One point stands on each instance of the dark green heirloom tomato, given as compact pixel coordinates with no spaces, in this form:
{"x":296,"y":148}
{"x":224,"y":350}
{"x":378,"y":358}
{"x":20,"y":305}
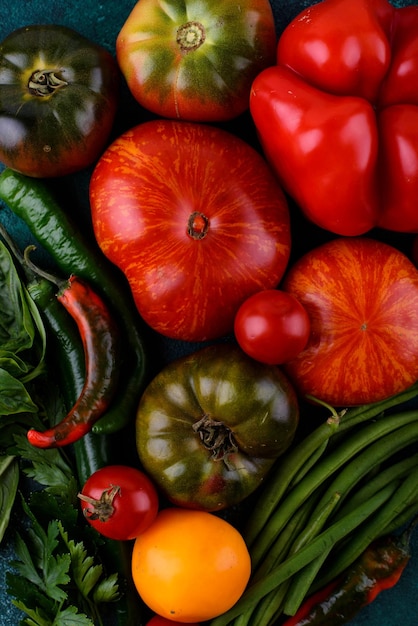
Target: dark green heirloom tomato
{"x":196,"y":60}
{"x":58,"y":99}
{"x":210,"y":426}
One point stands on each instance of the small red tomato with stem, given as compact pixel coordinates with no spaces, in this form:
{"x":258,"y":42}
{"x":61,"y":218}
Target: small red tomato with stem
{"x":119,"y":501}
{"x":272,"y":326}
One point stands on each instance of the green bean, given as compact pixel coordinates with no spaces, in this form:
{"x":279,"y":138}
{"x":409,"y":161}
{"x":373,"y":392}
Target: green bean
{"x":393,"y":472}
{"x":271,"y":606}
{"x":322,"y":471}
{"x":402,"y":497}
{"x":373,"y":455}
{"x":352,"y":472}
{"x":281,"y":546}
{"x":281,"y":477}
{"x":318,"y":520}
{"x":313,"y":459}
{"x":410,"y":511}
{"x":297,"y":561}
{"x":293,"y":462}
{"x":300,"y":586}
{"x":296,"y":589}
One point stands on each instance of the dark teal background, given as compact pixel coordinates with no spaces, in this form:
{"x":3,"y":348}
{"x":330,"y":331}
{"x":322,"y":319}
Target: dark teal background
{"x":101,"y":22}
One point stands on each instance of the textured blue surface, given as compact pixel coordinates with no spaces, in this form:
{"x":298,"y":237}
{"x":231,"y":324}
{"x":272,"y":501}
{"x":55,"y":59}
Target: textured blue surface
{"x":101,"y":22}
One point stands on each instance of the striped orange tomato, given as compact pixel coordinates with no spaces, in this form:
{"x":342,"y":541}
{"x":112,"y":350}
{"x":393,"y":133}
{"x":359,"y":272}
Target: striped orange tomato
{"x":362,"y":299}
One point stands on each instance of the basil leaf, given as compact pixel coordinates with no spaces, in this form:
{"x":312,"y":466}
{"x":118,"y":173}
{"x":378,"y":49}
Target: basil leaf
{"x":22,"y":332}
{"x":9,"y":479}
{"x":14,"y":397}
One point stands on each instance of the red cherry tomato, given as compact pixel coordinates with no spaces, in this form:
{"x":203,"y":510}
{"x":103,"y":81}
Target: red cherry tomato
{"x":272,"y":326}
{"x":120,"y":502}
{"x":157,"y":620}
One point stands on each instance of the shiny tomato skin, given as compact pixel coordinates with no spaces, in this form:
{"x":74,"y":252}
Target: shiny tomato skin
{"x":195,"y":219}
{"x":362,"y":299}
{"x":198,"y":64}
{"x":272,"y":326}
{"x":210,"y":426}
{"x":190,"y":565}
{"x":135,"y":501}
{"x":54,"y":131}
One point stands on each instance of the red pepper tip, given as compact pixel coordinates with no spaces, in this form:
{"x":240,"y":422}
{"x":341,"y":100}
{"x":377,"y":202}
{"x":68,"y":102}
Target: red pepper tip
{"x":39,"y":439}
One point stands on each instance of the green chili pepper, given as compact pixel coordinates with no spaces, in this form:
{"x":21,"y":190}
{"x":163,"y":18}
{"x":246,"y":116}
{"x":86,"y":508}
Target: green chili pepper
{"x":73,"y":253}
{"x":66,"y":357}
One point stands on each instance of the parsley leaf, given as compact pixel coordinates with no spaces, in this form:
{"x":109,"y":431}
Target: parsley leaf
{"x":39,"y":564}
{"x":57,"y":581}
{"x":86,"y":575}
{"x":66,"y":617}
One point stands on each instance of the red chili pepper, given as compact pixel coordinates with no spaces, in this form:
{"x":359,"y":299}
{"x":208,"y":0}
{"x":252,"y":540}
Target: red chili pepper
{"x":378,"y":568}
{"x":101,"y":346}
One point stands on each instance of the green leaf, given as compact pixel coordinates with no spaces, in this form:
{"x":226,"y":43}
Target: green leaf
{"x":107,"y":590}
{"x":37,"y":562}
{"x":66,"y":617}
{"x":17,"y":330}
{"x":51,"y":458}
{"x":22,"y":331}
{"x":71,"y":617}
{"x":9,"y":480}
{"x":14,"y":397}
{"x":87,"y":575}
{"x":46,"y":505}
{"x":21,"y":588}
{"x":36,"y":618}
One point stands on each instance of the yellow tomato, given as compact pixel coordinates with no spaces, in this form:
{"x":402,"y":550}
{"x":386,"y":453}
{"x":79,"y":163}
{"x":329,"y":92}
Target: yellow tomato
{"x":190,"y":565}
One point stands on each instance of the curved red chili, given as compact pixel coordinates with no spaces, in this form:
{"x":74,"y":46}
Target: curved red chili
{"x":378,"y":568}
{"x":100,"y":338}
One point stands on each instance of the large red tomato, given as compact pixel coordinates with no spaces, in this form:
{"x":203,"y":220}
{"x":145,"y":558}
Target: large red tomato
{"x":195,"y":219}
{"x":362,"y":299}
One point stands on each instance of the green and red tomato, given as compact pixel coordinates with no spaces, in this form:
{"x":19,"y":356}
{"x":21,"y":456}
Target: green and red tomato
{"x":196,"y":60}
{"x":59,"y":93}
{"x":210,"y":425}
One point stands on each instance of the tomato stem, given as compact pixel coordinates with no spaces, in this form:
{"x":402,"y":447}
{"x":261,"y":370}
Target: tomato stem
{"x":216,"y":437}
{"x":190,"y":36}
{"x":45,"y":82}
{"x":197,"y":225}
{"x":103,"y":508}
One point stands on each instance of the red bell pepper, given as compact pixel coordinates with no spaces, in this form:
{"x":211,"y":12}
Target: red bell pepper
{"x":337,"y":117}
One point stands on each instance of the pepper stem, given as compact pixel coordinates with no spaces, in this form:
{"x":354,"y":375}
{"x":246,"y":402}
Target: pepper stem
{"x":61,"y":284}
